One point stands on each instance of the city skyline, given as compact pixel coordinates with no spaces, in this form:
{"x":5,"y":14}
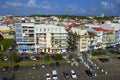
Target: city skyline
{"x":60,"y":7}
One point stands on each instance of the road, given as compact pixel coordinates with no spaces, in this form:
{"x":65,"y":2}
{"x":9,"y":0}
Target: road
{"x":26,"y":73}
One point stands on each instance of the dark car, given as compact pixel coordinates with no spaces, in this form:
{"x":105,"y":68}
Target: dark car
{"x":5,"y":68}
{"x":118,"y":58}
{"x":89,"y":73}
{"x":16,"y":67}
{"x":66,"y":74}
{"x":104,"y":60}
{"x":34,"y":66}
{"x":57,"y":64}
{"x":52,"y":65}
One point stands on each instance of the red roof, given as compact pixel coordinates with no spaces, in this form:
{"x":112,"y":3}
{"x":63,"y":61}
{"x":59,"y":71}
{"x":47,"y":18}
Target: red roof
{"x":102,"y":29}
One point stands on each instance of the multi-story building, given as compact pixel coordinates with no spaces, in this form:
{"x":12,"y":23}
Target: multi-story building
{"x":104,"y":37}
{"x":82,"y":41}
{"x":92,"y":41}
{"x":32,"y":37}
{"x":25,"y":37}
{"x":117,"y":37}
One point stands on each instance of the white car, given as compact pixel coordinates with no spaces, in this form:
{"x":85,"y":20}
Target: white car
{"x":48,"y":76}
{"x":54,"y":75}
{"x":73,"y":74}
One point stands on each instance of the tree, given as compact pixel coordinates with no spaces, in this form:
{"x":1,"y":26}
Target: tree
{"x":1,"y":56}
{"x":58,"y":56}
{"x":1,"y":37}
{"x":14,"y":57}
{"x":47,"y":57}
{"x":70,"y":56}
{"x":72,"y":41}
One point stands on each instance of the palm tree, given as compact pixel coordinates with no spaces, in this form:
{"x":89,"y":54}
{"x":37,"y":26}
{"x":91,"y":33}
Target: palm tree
{"x":73,"y":39}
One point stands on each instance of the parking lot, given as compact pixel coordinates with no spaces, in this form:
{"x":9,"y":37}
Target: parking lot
{"x":27,"y":73}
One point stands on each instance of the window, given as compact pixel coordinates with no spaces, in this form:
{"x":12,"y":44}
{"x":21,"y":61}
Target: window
{"x":18,"y":30}
{"x":18,"y":35}
{"x":44,"y":29}
{"x":40,"y":30}
{"x":19,"y":40}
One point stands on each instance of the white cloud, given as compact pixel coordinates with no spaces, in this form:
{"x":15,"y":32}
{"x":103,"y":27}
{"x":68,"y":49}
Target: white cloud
{"x":32,"y":3}
{"x":13,"y":4}
{"x":45,"y":5}
{"x":82,"y":10}
{"x":71,"y":7}
{"x":107,"y":5}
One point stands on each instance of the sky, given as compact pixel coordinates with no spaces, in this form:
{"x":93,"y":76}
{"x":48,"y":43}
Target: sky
{"x":60,"y":7}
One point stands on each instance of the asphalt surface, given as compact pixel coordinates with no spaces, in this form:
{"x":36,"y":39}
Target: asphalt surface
{"x":27,"y":73}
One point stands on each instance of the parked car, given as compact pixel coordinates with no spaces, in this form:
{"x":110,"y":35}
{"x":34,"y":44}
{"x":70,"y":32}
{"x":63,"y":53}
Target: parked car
{"x":43,"y":65}
{"x":33,"y":58}
{"x":80,"y":59}
{"x":5,"y":68}
{"x":34,"y":66}
{"x":52,"y":65}
{"x":48,"y":76}
{"x":57,"y":64}
{"x":90,"y":73}
{"x":73,"y":74}
{"x":118,"y":58}
{"x":93,"y":66}
{"x":66,"y":74}
{"x":16,"y":67}
{"x":104,"y":60}
{"x":5,"y":58}
{"x":54,"y":75}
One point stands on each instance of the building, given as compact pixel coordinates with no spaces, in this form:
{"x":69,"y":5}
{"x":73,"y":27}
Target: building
{"x":4,"y":29}
{"x":92,"y":41}
{"x":37,"y":38}
{"x":117,"y":37}
{"x":81,"y":39}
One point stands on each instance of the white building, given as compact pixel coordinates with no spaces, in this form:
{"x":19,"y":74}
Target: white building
{"x":32,"y":37}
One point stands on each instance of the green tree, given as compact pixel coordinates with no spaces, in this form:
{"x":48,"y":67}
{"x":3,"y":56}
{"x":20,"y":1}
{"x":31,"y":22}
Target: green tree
{"x":14,"y":57}
{"x":1,"y":37}
{"x":70,"y":56}
{"x":47,"y":57}
{"x":58,"y":56}
{"x":1,"y":55}
{"x":97,"y":53}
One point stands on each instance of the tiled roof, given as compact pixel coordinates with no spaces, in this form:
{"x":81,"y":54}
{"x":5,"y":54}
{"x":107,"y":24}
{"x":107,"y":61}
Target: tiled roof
{"x":102,"y":29}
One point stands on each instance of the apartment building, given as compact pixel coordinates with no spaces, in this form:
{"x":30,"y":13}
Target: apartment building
{"x":83,"y":39}
{"x":117,"y":37}
{"x":37,"y":38}
{"x":92,"y":41}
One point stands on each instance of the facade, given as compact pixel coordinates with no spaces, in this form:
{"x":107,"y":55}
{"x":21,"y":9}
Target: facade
{"x":32,"y":37}
{"x":92,"y":41}
{"x":4,"y":29}
{"x":83,"y":39}
{"x":25,"y":37}
{"x":117,"y":37}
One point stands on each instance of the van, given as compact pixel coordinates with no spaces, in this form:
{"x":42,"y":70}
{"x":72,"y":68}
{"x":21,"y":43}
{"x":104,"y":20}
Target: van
{"x":54,"y":75}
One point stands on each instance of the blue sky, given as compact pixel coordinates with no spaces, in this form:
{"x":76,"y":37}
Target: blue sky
{"x":60,"y":7}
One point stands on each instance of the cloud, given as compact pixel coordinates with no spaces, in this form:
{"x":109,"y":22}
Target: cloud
{"x":82,"y":10}
{"x":32,"y":3}
{"x":29,"y":4}
{"x":107,"y":5}
{"x":45,"y":5}
{"x":71,"y":7}
{"x":13,"y":4}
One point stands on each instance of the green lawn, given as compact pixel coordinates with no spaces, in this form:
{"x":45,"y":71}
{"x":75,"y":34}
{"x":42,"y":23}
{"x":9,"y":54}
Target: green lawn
{"x":6,"y":44}
{"x":27,"y":63}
